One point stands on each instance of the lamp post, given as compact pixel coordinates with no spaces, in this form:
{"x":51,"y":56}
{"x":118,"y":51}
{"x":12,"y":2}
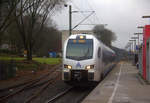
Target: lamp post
{"x":131,"y":44}
{"x":141,"y":27}
{"x":134,"y":38}
{"x":134,"y":43}
{"x":138,"y":34}
{"x":127,"y":45}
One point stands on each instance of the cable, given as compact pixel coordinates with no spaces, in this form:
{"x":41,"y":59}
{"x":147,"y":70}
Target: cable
{"x":93,"y":10}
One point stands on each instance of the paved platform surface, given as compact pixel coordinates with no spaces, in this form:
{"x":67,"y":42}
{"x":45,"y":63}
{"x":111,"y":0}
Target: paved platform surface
{"x":122,"y":85}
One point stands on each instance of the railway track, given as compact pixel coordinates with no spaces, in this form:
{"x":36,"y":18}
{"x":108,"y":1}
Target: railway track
{"x":30,"y":80}
{"x":31,"y":84}
{"x":75,"y":93}
{"x":59,"y":95}
{"x":38,"y":92}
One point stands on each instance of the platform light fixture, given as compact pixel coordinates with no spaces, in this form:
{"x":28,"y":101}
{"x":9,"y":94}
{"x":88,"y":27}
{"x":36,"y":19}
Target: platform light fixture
{"x":140,"y":27}
{"x":146,"y":16}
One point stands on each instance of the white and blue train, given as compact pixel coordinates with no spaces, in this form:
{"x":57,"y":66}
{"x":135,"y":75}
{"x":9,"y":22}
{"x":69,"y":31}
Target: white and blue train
{"x":85,"y":59}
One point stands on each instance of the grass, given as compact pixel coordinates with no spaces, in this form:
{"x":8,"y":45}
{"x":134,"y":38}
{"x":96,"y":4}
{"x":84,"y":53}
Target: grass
{"x":22,"y":64}
{"x":11,"y":58}
{"x":27,"y":66}
{"x":40,"y":60}
{"x":48,"y":60}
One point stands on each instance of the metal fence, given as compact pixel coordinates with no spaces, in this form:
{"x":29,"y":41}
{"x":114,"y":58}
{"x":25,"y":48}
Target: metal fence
{"x":7,"y":69}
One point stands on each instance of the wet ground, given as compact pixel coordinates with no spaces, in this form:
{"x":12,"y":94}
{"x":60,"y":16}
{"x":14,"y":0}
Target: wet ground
{"x":122,"y":85}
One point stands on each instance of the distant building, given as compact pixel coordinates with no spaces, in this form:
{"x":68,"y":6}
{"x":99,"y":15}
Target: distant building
{"x":4,"y":46}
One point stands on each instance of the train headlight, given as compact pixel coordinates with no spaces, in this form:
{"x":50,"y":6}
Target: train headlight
{"x":89,"y":67}
{"x":67,"y":66}
{"x":81,"y":37}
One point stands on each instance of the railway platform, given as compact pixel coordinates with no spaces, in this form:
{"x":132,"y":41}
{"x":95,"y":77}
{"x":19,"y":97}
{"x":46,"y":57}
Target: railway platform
{"x":122,"y":85}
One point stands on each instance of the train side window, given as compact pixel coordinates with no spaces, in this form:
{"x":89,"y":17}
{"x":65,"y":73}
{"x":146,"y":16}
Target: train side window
{"x":99,"y":52}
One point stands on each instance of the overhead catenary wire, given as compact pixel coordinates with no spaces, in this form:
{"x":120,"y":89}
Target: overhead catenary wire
{"x":82,"y":13}
{"x":96,"y":18}
{"x":91,"y":21}
{"x":91,"y":7}
{"x":83,"y":20}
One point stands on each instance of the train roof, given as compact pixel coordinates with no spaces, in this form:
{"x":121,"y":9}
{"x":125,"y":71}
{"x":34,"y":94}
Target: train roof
{"x":88,"y":36}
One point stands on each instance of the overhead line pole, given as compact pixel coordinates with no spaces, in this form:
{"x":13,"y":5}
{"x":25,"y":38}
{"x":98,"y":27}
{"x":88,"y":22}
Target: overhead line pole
{"x":70,"y":20}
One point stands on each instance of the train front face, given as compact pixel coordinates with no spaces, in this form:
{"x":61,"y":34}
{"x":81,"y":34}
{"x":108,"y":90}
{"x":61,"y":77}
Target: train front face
{"x":78,"y":59}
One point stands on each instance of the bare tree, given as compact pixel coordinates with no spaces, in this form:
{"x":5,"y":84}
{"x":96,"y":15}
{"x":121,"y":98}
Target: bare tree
{"x":7,"y":9}
{"x":13,"y":39}
{"x":105,"y":35}
{"x":48,"y":40}
{"x":44,"y":42}
{"x":37,"y":13}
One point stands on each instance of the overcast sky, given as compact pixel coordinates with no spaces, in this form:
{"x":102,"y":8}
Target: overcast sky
{"x":122,"y":16}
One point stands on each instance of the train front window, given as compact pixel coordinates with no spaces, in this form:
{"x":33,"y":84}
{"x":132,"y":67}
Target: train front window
{"x":79,"y":49}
